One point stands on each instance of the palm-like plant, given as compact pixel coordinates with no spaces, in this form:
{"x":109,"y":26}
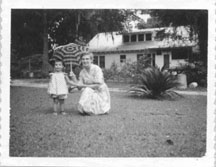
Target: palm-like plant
{"x":155,"y":83}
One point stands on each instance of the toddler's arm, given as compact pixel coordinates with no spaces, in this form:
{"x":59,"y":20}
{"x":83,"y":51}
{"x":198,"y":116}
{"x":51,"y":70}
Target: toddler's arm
{"x":50,"y":76}
{"x":93,"y":86}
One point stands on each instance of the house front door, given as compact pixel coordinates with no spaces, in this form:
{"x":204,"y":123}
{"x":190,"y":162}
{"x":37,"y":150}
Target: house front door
{"x":166,"y":61}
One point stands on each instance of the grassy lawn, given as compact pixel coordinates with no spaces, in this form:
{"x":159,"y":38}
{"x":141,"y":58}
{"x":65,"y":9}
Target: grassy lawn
{"x":134,"y":128}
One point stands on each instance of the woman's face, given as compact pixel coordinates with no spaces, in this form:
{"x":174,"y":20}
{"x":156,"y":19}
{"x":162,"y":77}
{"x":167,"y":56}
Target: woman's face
{"x":86,"y":61}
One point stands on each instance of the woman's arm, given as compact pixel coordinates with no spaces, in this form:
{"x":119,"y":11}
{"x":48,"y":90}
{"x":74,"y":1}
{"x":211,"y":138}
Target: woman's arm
{"x":73,"y":76}
{"x":97,"y":79}
{"x":50,"y":76}
{"x":93,"y":86}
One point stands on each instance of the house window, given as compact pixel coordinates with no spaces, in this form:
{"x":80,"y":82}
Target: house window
{"x":149,"y":58}
{"x":141,"y":37}
{"x":166,"y":61}
{"x":153,"y":59}
{"x":95,"y":60}
{"x":148,"y":37}
{"x":122,"y":58}
{"x":102,"y":62}
{"x":126,"y":38}
{"x":180,"y":54}
{"x":133,"y":38}
{"x":139,"y":56}
{"x":99,"y":60}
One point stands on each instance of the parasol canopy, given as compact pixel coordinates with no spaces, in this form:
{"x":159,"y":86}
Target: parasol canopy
{"x":69,"y":54}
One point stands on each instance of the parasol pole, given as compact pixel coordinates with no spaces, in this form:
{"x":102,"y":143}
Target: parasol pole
{"x":71,"y":69}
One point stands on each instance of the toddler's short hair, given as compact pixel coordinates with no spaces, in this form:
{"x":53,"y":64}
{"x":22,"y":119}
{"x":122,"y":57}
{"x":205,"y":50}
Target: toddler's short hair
{"x":60,"y":61}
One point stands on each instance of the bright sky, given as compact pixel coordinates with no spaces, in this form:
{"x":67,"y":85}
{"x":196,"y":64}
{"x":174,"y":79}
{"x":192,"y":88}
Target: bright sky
{"x":142,"y":16}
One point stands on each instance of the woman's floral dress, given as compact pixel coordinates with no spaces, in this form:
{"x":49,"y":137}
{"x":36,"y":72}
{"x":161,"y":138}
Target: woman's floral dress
{"x":94,"y":101}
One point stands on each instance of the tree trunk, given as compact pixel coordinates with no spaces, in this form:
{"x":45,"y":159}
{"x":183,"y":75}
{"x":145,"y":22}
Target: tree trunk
{"x":45,"y":65}
{"x":203,"y":38}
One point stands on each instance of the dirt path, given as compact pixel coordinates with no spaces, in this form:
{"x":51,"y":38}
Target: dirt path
{"x":115,"y":88}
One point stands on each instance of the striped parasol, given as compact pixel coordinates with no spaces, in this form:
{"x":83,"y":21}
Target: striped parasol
{"x":69,"y":54}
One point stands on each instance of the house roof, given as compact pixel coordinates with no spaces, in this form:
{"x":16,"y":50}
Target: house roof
{"x":107,"y":42}
{"x":146,"y":30}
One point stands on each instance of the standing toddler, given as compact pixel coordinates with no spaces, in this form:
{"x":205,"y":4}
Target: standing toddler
{"x":57,"y":88}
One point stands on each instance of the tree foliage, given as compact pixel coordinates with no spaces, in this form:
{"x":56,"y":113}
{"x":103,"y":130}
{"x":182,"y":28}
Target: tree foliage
{"x":87,"y":23}
{"x":36,"y":31}
{"x":197,"y":20}
{"x":26,"y":33}
{"x":63,"y":26}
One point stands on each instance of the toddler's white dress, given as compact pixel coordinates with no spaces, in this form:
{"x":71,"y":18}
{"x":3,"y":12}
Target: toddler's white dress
{"x":57,"y":85}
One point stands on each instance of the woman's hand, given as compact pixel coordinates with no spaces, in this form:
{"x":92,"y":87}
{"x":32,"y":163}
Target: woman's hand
{"x":72,"y":75}
{"x":80,"y":86}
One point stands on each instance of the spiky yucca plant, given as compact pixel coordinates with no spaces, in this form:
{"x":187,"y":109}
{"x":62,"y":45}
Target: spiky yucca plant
{"x":155,"y":83}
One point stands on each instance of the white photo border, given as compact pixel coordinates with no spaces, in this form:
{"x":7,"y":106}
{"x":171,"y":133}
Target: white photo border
{"x":6,"y":6}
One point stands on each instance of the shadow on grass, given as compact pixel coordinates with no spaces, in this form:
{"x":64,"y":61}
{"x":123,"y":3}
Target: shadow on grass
{"x":69,"y":112}
{"x":49,"y":111}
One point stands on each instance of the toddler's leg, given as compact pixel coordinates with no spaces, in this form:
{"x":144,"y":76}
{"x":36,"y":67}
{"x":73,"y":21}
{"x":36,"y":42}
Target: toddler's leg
{"x":55,"y":105}
{"x":61,"y":102}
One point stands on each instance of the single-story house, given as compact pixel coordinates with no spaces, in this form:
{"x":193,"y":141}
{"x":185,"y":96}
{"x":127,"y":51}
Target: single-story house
{"x":129,"y":46}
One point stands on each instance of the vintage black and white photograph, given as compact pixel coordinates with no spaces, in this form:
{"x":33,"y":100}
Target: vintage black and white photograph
{"x":108,"y":83}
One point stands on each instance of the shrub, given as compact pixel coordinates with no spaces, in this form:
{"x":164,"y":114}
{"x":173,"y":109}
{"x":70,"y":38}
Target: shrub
{"x":195,"y":72}
{"x":134,"y":69}
{"x":156,"y":84}
{"x":112,"y":72}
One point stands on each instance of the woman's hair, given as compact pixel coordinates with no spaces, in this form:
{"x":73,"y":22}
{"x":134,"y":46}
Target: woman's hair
{"x":90,"y":55}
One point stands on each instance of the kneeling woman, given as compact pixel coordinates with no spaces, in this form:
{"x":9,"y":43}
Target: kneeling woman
{"x":95,"y":96}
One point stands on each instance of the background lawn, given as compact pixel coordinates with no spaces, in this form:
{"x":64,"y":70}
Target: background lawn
{"x":134,"y":128}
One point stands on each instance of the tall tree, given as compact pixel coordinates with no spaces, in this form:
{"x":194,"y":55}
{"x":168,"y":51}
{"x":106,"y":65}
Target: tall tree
{"x":35,"y":30}
{"x":87,"y":23}
{"x":29,"y":34}
{"x":45,"y":64}
{"x":26,"y":32}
